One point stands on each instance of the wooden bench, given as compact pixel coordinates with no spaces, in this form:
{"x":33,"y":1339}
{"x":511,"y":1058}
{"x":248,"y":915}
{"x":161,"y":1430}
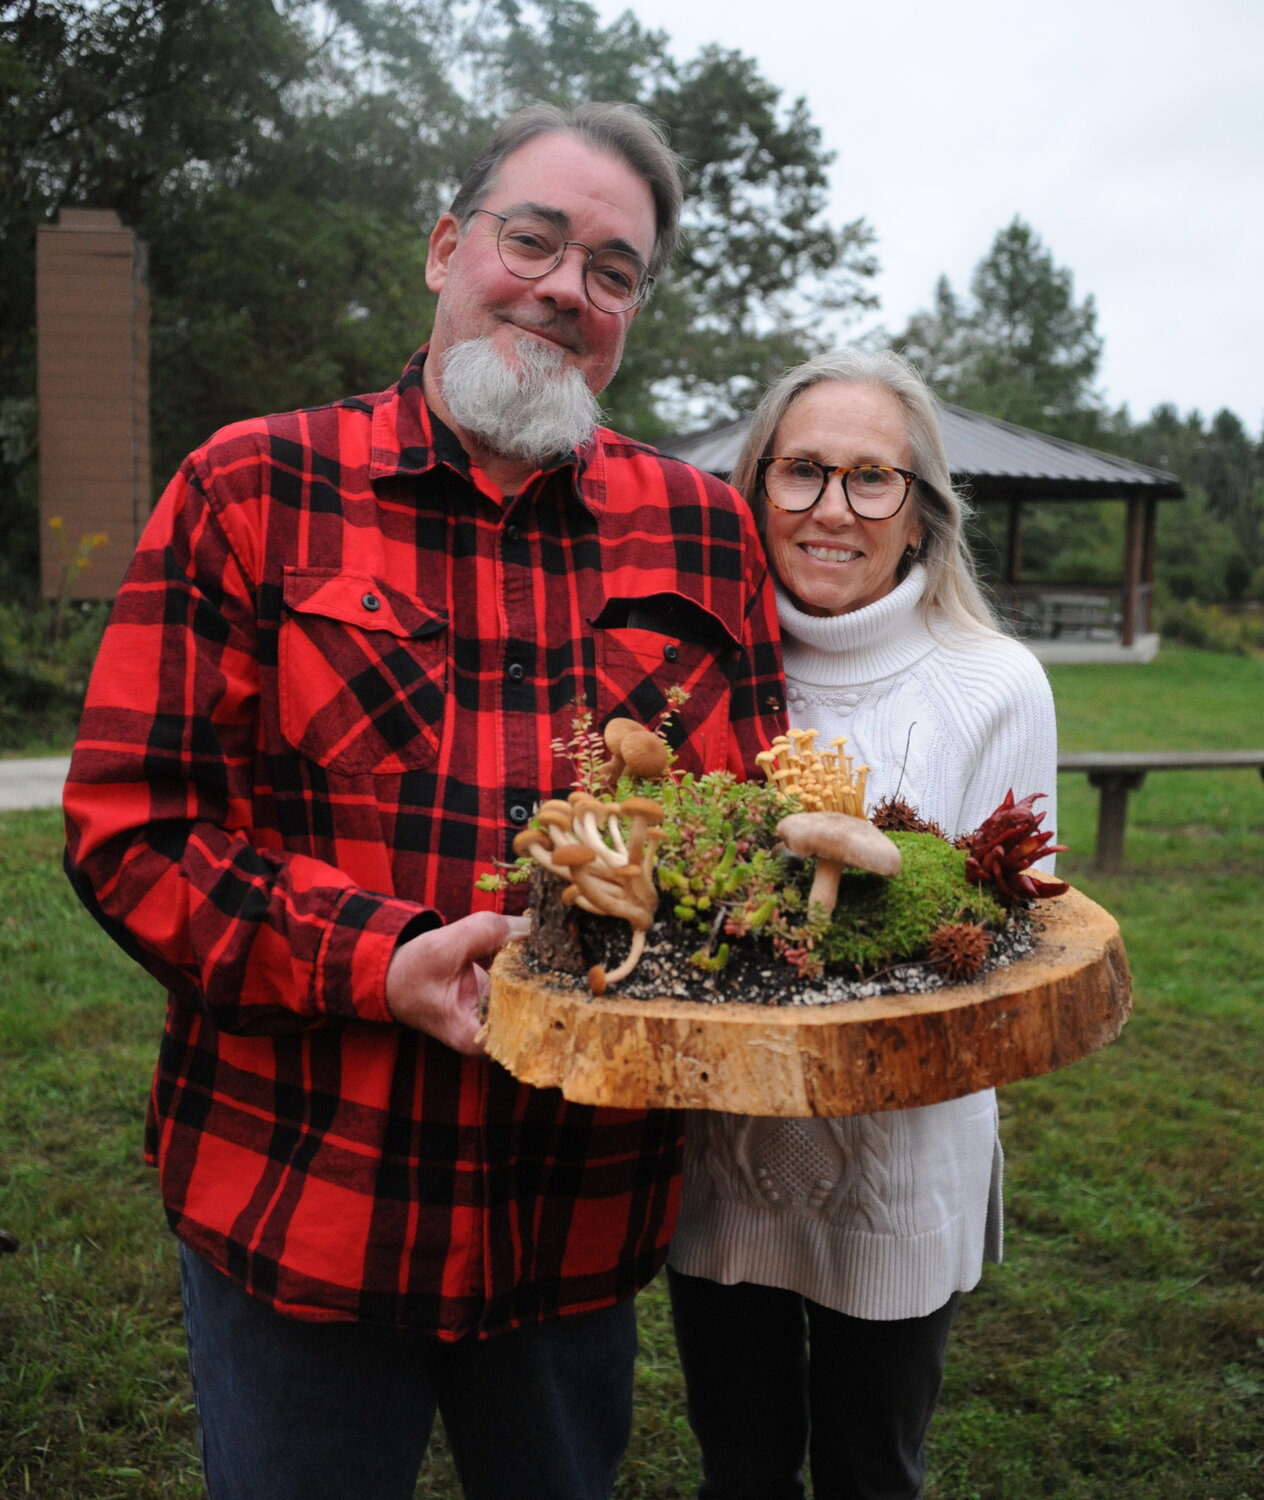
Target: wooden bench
{"x":1116,"y":773}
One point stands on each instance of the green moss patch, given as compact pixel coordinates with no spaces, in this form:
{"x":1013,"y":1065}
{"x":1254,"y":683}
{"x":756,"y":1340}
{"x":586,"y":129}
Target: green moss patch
{"x":879,"y":922}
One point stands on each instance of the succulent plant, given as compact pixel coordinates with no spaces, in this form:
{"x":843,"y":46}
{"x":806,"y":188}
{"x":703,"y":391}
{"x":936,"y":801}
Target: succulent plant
{"x":1000,"y":853}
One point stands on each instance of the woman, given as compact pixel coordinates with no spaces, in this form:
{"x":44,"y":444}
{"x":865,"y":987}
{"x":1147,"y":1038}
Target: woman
{"x":854,"y":1237}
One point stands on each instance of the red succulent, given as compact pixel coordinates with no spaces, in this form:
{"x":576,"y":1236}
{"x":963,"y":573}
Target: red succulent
{"x":1005,"y":846}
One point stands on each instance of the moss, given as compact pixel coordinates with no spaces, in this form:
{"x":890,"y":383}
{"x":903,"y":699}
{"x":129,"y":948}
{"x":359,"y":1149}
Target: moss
{"x":879,"y":922}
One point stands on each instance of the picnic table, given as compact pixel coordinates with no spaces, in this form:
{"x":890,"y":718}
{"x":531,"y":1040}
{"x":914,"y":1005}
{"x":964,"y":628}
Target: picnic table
{"x":1116,"y":773}
{"x":1065,"y":614}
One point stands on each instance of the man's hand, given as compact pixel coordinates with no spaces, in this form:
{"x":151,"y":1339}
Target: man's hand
{"x":436,"y":982}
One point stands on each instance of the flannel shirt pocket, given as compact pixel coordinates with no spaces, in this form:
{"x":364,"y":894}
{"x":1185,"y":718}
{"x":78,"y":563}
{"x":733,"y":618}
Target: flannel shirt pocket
{"x":652,"y":651}
{"x":363,"y":673}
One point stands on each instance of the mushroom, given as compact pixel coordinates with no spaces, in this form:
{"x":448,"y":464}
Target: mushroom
{"x":599,"y":980}
{"x":817,"y":780}
{"x":613,"y":735}
{"x":633,"y":748}
{"x":536,"y":843}
{"x":837,"y":841}
{"x":645,"y":814}
{"x":589,"y":815}
{"x":644,"y":754}
{"x":581,"y":843}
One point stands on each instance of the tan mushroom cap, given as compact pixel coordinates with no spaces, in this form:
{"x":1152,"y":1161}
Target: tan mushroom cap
{"x":525,"y":841}
{"x":644,"y":754}
{"x":836,"y":841}
{"x":573,"y":854}
{"x":580,"y":842}
{"x":615,"y":730}
{"x":645,"y":808}
{"x":842,"y":839}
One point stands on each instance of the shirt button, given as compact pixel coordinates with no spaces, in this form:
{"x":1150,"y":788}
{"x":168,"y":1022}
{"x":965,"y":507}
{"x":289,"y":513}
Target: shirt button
{"x":512,"y":534}
{"x":518,"y":813}
{"x":670,"y":653}
{"x":517,"y":672}
{"x":371,"y":602}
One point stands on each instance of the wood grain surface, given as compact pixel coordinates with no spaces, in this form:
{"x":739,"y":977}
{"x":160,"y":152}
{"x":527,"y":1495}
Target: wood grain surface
{"x":1071,"y":996}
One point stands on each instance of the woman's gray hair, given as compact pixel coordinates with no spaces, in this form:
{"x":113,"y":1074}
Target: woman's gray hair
{"x":621,"y":130}
{"x":952,"y":586}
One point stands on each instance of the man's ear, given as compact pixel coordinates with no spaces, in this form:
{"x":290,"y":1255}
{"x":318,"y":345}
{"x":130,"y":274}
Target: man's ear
{"x":444,"y":238}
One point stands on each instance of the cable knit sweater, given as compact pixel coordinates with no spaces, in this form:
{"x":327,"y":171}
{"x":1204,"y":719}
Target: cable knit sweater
{"x":884,"y":1215}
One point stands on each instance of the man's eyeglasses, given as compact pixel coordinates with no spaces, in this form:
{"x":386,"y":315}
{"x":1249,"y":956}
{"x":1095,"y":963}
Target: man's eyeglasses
{"x":874,"y":491}
{"x":615,"y":280}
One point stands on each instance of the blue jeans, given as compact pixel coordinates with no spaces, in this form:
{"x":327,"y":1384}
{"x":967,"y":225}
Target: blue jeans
{"x":772,"y":1378}
{"x":294,"y":1410}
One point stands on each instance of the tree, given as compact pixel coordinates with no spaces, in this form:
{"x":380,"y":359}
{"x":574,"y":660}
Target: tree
{"x":284,"y":160}
{"x":1021,"y":348}
{"x":1232,"y":474}
{"x":1211,"y":545}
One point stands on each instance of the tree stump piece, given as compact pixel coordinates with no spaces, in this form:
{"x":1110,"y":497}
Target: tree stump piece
{"x":1071,"y":996}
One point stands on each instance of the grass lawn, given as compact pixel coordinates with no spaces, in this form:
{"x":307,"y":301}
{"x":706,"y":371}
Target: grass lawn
{"x":1117,"y":1355}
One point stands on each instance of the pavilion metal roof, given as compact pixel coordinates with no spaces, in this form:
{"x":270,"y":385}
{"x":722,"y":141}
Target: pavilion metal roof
{"x":995,"y":459}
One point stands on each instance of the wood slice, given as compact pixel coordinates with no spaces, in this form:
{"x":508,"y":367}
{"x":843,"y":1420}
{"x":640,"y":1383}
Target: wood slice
{"x":1071,"y":996}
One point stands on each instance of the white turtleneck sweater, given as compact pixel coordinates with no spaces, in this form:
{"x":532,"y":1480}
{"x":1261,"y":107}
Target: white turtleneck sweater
{"x":886,"y":1215}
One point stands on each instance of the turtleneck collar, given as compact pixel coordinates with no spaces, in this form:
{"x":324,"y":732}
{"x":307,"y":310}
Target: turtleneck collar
{"x":882,"y":638}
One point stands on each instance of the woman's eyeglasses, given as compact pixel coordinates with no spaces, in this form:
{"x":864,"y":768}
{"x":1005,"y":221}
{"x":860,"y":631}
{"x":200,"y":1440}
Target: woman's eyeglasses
{"x":874,"y":491}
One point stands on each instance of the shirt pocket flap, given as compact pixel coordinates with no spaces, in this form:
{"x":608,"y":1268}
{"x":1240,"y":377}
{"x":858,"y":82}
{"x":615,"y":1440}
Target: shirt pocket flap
{"x":671,"y":615}
{"x":666,"y":659}
{"x":360,"y":599}
{"x":363,"y":673}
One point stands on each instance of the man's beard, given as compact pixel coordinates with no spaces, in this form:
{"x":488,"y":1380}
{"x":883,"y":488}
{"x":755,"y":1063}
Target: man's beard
{"x":529,"y":412}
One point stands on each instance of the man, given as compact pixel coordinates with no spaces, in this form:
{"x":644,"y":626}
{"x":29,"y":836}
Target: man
{"x":331,"y":692}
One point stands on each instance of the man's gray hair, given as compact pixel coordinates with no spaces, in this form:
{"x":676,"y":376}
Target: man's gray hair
{"x":952,"y":587}
{"x":621,"y":130}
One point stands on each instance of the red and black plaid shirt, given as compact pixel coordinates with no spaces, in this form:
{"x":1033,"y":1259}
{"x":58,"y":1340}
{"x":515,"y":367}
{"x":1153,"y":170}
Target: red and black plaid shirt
{"x":328,"y":697}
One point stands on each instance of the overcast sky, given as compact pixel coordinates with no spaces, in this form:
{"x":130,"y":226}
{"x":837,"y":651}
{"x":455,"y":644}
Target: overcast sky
{"x":1128,"y":133}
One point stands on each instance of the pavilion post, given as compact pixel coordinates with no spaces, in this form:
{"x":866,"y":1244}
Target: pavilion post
{"x":1148,"y":549}
{"x":1133,"y":549}
{"x":1014,"y":544}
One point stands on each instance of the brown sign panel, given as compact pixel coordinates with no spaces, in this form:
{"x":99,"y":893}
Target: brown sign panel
{"x":92,"y":311}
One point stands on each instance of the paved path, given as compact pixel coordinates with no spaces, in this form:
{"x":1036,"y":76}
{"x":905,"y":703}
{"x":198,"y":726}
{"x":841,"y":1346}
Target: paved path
{"x":32,"y":783}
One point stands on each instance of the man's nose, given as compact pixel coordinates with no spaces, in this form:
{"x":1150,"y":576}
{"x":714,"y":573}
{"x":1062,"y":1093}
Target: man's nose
{"x":564,"y":284}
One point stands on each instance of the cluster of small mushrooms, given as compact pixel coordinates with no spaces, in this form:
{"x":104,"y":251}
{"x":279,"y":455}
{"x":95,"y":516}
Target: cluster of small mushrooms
{"x":828,"y":781}
{"x":582,"y":842}
{"x":832,"y":828}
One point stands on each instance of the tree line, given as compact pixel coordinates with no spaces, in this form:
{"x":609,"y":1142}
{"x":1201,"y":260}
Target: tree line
{"x":284,"y":160}
{"x":1019,"y":345}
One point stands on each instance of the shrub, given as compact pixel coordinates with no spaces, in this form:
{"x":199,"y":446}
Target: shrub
{"x":46,"y":654}
{"x":1209,"y":628}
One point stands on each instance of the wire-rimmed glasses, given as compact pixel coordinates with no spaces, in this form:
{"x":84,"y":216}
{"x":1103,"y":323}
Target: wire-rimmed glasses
{"x":529,"y":246}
